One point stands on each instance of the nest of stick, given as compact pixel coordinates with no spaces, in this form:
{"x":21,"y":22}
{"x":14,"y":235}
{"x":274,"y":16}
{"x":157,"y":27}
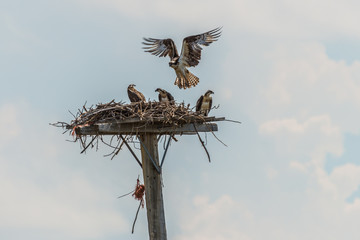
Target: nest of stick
{"x":147,"y":113}
{"x":173,"y":114}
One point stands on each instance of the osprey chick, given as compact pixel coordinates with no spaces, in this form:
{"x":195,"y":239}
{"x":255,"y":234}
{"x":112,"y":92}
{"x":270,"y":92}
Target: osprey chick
{"x":204,"y":103}
{"x":164,"y":96}
{"x":189,"y":57}
{"x":135,"y":95}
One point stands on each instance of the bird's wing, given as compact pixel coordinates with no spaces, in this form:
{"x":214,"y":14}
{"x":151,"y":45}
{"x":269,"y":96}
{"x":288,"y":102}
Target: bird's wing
{"x":198,"y":103}
{"x":210,"y":104}
{"x":132,"y":96}
{"x":140,"y":95}
{"x":191,"y":49}
{"x":135,"y":96}
{"x":170,"y":97}
{"x":159,"y":97}
{"x":160,"y":47}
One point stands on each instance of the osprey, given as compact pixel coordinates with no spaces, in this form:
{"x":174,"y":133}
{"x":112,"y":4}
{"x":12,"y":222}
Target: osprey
{"x":164,"y":96}
{"x":135,"y":95}
{"x":189,"y":57}
{"x":204,"y":103}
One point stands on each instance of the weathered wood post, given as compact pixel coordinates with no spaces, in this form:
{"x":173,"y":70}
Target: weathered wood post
{"x":153,"y":188}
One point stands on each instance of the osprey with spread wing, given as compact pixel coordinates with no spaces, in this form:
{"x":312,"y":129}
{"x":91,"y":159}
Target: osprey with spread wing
{"x":189,"y":57}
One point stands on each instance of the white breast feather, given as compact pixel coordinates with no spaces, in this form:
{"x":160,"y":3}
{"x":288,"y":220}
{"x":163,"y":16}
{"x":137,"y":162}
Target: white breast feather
{"x":205,"y":105}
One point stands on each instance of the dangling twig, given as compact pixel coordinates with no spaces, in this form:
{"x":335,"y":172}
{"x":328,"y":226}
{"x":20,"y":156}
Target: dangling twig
{"x":127,"y":194}
{"x":88,"y":144}
{"x":202,"y":143}
{"x":212,"y":132}
{"x":117,"y":152}
{"x":137,"y":212}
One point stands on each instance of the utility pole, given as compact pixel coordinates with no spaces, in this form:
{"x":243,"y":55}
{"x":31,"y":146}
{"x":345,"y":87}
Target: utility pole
{"x":153,"y":187}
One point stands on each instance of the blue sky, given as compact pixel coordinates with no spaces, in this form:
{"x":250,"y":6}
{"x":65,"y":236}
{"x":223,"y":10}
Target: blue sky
{"x":288,"y":70}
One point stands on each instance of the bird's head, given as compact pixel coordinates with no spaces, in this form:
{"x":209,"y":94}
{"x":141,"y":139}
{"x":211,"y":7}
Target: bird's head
{"x":131,"y":86}
{"x":159,"y":90}
{"x":208,"y":92}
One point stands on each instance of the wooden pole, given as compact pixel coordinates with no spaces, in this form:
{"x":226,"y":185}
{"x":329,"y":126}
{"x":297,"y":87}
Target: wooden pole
{"x":153,"y":188}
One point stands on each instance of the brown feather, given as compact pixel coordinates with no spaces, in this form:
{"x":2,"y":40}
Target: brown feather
{"x":161,"y":47}
{"x":191,"y":48}
{"x":135,"y":95}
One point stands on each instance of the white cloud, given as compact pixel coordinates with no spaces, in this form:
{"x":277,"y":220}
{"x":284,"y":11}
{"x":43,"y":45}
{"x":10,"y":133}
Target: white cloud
{"x":9,"y":126}
{"x":304,"y":82}
{"x":70,"y":208}
{"x":353,"y":208}
{"x":346,"y":178}
{"x":223,"y":219}
{"x":276,"y":19}
{"x":272,"y":173}
{"x":306,"y":107}
{"x":314,"y":138}
{"x":39,"y":193}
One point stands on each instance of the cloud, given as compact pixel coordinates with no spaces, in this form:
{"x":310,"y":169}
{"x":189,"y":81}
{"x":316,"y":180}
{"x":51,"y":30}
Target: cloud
{"x":347,"y":179}
{"x":305,"y":82}
{"x":315,"y":137}
{"x":40,"y":192}
{"x":277,"y":19}
{"x":70,"y":208}
{"x":206,"y":217}
{"x":305,"y":107}
{"x":9,"y":126}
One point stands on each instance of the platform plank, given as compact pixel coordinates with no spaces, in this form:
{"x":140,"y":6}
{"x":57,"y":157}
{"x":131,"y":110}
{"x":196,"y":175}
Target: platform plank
{"x":116,"y":128}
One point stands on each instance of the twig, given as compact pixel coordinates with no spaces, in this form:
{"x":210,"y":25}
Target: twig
{"x":132,"y":152}
{"x":217,"y":138}
{"x":117,"y":152}
{"x":202,"y":143}
{"x":137,"y":212}
{"x":234,"y":121}
{"x":127,"y":194}
{"x":88,"y":144}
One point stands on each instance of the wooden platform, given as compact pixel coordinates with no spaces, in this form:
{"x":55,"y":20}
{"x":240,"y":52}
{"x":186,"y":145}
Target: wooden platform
{"x":136,"y":127}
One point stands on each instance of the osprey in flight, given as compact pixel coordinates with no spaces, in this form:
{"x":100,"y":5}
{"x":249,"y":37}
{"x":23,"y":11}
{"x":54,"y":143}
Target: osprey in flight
{"x":189,"y":57}
{"x":164,"y":96}
{"x":135,"y":95}
{"x":204,"y":103}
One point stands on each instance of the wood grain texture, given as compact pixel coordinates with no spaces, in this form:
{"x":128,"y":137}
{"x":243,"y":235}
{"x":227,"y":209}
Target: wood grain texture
{"x":153,"y":188}
{"x":140,"y":128}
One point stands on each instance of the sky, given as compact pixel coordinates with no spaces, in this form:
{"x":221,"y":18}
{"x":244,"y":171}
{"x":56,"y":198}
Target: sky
{"x":288,"y":70}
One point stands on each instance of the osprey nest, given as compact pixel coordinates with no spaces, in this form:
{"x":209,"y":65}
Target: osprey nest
{"x":142,"y":113}
{"x":162,"y":117}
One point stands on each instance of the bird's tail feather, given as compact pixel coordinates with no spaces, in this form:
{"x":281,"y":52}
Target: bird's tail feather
{"x":190,"y":80}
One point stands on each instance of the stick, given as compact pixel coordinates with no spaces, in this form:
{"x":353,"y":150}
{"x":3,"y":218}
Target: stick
{"x":127,"y":194}
{"x":202,"y":143}
{"x":218,"y":138}
{"x":137,"y":212}
{"x":88,"y":145}
{"x":228,"y":120}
